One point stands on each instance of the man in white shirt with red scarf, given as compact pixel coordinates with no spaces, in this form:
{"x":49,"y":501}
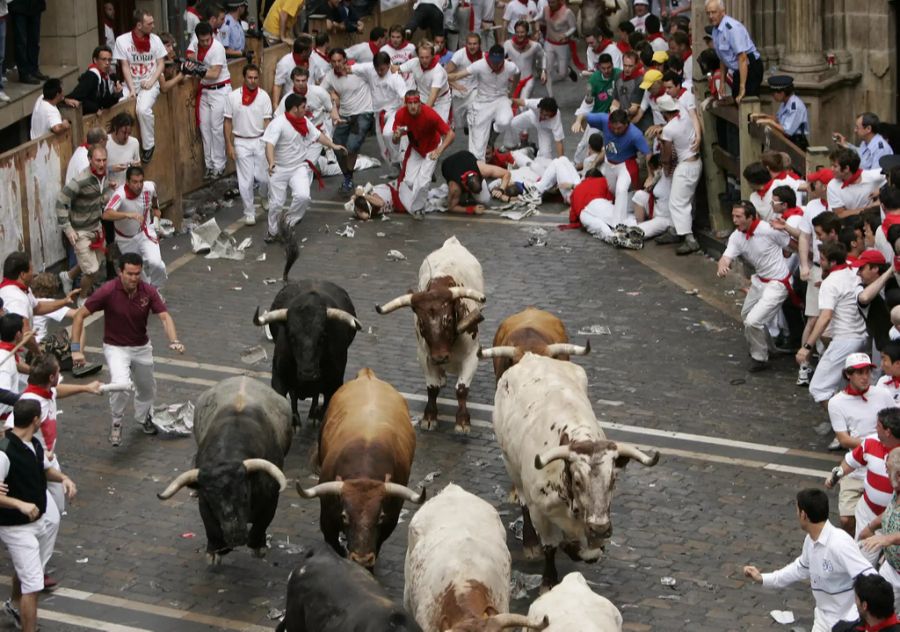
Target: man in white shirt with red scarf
{"x":430,"y":79}
{"x":214,"y":88}
{"x":461,"y":60}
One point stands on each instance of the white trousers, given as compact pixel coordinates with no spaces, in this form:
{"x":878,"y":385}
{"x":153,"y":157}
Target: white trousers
{"x":619,"y":181}
{"x":143,"y":108}
{"x":829,"y":371}
{"x":461,"y":105}
{"x":763,"y":301}
{"x":442,"y":107}
{"x":598,"y":218}
{"x":154,"y":269}
{"x":135,"y":365}
{"x":482,"y":116}
{"x":386,"y":147}
{"x":560,"y":171}
{"x":659,"y":223}
{"x":251,"y":166}
{"x":527,"y":121}
{"x":557,"y":58}
{"x":889,"y":573}
{"x":413,"y":188}
{"x":681,"y":196}
{"x":212,"y":125}
{"x":30,"y":547}
{"x":299,"y":181}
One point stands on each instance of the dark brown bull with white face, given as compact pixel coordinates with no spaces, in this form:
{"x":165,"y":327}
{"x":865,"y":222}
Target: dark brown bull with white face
{"x":447,"y":312}
{"x":366,"y":450}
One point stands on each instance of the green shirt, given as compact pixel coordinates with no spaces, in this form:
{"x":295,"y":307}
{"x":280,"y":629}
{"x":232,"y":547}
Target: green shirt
{"x":602,"y":90}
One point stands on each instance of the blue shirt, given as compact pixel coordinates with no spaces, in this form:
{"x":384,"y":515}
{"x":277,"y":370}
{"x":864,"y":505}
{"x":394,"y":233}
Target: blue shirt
{"x":446,"y":57}
{"x":619,"y":148}
{"x":232,"y":34}
{"x":870,"y":153}
{"x":730,"y":39}
{"x":793,"y":117}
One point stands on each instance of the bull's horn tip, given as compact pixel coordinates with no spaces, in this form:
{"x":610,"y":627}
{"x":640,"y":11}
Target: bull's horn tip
{"x":587,"y":346}
{"x":378,"y":309}
{"x":538,"y":464}
{"x":479,"y":354}
{"x":160,"y":496}
{"x":256,"y":316}
{"x":654,"y":459}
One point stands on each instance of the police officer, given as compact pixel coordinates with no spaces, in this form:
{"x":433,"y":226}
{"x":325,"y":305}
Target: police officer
{"x":232,"y":32}
{"x":736,"y":50}
{"x":872,"y":146}
{"x":792,"y":118}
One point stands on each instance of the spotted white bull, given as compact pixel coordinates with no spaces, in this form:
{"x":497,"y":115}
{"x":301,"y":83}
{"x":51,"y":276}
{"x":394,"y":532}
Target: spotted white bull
{"x":572,"y":605}
{"x":558,"y":458}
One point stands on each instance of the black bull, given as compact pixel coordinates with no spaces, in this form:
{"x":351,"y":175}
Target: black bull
{"x":313,"y":324}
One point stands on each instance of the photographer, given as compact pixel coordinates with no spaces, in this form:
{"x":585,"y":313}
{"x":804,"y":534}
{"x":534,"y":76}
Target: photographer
{"x":213,"y":91}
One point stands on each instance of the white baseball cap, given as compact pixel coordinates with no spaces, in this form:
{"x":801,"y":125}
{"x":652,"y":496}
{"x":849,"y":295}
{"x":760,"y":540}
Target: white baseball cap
{"x":858,"y":361}
{"x":666,"y":103}
{"x":647,"y":2}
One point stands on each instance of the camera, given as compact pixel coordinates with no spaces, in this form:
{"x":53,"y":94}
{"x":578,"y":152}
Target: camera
{"x":192,"y":67}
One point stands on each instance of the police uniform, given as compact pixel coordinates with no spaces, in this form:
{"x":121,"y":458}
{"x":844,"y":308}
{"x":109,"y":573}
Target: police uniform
{"x":871,"y":152}
{"x":730,"y":39}
{"x":232,"y":32}
{"x":792,"y":114}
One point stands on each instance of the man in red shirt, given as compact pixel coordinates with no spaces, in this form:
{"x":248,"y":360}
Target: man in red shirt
{"x":428,"y":137}
{"x":127,"y":303}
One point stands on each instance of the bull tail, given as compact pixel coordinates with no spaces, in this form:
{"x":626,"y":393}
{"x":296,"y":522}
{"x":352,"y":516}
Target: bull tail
{"x":288,"y":236}
{"x":314,"y":466}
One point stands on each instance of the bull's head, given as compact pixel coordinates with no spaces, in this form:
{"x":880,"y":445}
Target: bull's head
{"x":554,"y":350}
{"x":497,"y":622}
{"x":225,"y":490}
{"x":440,"y":316}
{"x":366,"y":506}
{"x":304,"y":323}
{"x":589,"y":477}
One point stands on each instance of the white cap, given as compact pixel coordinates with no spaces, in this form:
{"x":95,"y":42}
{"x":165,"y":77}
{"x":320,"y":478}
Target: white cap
{"x":858,"y":361}
{"x":647,"y":2}
{"x":666,"y":103}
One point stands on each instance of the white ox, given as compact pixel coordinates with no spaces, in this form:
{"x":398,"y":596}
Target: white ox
{"x":447,"y":312}
{"x":572,"y":606}
{"x":558,"y":458}
{"x":458,"y":567}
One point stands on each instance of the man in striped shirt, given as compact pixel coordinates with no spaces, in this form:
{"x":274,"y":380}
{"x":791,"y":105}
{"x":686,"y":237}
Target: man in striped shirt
{"x":872,"y":454}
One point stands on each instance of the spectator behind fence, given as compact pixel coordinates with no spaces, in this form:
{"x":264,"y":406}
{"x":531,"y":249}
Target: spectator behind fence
{"x":109,"y":24}
{"x":641,"y":11}
{"x":25,"y":16}
{"x":736,"y":50}
{"x":96,"y":90}
{"x":872,"y":145}
{"x":79,"y":160}
{"x":280,"y":21}
{"x":231,"y":34}
{"x":172,"y":75}
{"x":192,"y":17}
{"x":45,"y":118}
{"x":340,"y":17}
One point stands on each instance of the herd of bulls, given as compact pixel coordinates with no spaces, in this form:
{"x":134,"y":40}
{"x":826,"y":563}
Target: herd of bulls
{"x":458,"y":565}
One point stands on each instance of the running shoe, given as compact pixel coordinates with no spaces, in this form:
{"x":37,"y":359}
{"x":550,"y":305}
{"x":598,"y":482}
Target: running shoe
{"x":115,"y":434}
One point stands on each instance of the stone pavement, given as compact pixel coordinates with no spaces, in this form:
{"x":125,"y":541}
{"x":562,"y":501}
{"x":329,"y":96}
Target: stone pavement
{"x":671,"y":362}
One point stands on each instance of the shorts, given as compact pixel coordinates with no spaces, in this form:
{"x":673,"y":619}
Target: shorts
{"x":88,"y":258}
{"x":851,"y":491}
{"x":812,"y":292}
{"x":30,"y":547}
{"x":352,"y":133}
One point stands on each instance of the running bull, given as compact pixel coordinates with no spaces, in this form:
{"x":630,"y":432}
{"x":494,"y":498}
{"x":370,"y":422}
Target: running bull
{"x":558,"y":458}
{"x":313,"y":324}
{"x":366,"y":449}
{"x":243,"y":430}
{"x":447,"y":308}
{"x":531,"y":330}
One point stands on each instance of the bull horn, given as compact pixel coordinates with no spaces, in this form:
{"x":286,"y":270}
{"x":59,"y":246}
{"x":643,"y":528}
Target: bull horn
{"x":397,"y":303}
{"x":262,"y":465}
{"x":630,"y":451}
{"x":559,"y":452}
{"x":269,"y":316}
{"x":509,"y":620}
{"x":345,"y":317}
{"x":404,"y":492}
{"x":185,"y":478}
{"x":497,"y":352}
{"x":561,"y":348}
{"x":458,"y":292}
{"x":468,"y":321}
{"x":331,"y":488}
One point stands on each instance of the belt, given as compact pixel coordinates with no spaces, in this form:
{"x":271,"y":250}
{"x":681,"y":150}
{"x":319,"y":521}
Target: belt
{"x":216,"y":86}
{"x":694,"y":159}
{"x":249,"y":137}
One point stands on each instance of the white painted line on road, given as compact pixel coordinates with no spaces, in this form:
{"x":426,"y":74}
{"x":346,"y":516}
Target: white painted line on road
{"x":481,"y":219}
{"x":85,"y":622}
{"x":803,"y":471}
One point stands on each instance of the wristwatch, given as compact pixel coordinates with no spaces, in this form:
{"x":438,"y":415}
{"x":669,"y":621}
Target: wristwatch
{"x":807,"y":346}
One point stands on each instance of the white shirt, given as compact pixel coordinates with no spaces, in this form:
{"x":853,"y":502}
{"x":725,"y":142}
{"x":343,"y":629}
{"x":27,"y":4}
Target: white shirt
{"x":552,"y":125}
{"x":360,"y":53}
{"x":283,"y":70}
{"x":763,"y":251}
{"x":838,"y":292}
{"x":291,"y":149}
{"x":425,"y":80}
{"x":763,"y":203}
{"x":318,"y":67}
{"x":117,"y":154}
{"x":516,"y":11}
{"x":387,"y":91}
{"x":15,"y":301}
{"x":525,"y":60}
{"x":857,"y":194}
{"x":400,"y":56}
{"x":680,"y":132}
{"x":492,"y":85}
{"x":43,"y":117}
{"x":812,"y":210}
{"x":857,"y":416}
{"x":142,"y":204}
{"x":318,"y":104}
{"x":109,"y":36}
{"x":39,"y":324}
{"x":830,"y":563}
{"x":11,"y":380}
{"x":612,"y":50}
{"x":353,"y":91}
{"x":248,"y":121}
{"x":650,"y":102}
{"x":886,"y":382}
{"x":78,"y":162}
{"x":215,"y":56}
{"x":142,"y":65}
{"x":460,"y":61}
{"x":191,"y":21}
{"x":638,"y":22}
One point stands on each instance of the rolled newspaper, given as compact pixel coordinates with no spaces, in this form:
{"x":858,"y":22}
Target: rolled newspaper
{"x":112,"y":388}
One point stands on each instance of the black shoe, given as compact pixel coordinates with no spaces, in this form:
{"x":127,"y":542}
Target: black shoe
{"x":29,"y":79}
{"x":572,"y":74}
{"x":668,"y":238}
{"x":688,"y":246}
{"x":757,"y":365}
{"x":86,"y":370}
{"x":40,"y":75}
{"x":269,"y":238}
{"x":147,"y":155}
{"x":148,"y":426}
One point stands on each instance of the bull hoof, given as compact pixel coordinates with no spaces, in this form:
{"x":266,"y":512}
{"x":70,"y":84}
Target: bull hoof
{"x":428,"y":424}
{"x":213,"y":559}
{"x":462,"y":428}
{"x":513,"y":496}
{"x":533,"y":552}
{"x":260,"y":553}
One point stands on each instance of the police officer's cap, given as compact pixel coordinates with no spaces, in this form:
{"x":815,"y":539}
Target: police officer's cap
{"x":781,"y":82}
{"x":889,"y":162}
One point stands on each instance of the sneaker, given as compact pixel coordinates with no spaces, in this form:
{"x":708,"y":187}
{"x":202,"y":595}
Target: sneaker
{"x":40,"y":75}
{"x":50,"y":584}
{"x":622,"y":241}
{"x":804,"y":375}
{"x":249,"y":220}
{"x":4,"y":97}
{"x":208,"y":174}
{"x":147,"y":155}
{"x":269,"y":238}
{"x":835,"y":446}
{"x":86,"y":370}
{"x":621,"y":229}
{"x":148,"y":426}
{"x":668,"y":237}
{"x":688,"y":246}
{"x":13,"y":614}
{"x":66,"y":280}
{"x":573,"y":75}
{"x":347,"y":186}
{"x":635,"y":233}
{"x":115,"y":434}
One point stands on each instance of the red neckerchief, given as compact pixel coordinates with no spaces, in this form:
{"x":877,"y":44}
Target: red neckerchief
{"x":686,"y":54}
{"x":109,"y":23}
{"x":298,"y":122}
{"x":890,"y":219}
{"x":99,"y":176}
{"x":655,"y":36}
{"x":853,"y":179}
{"x":634,"y":74}
{"x":524,"y":2}
{"x":374,"y":47}
{"x":842,"y":266}
{"x":786,"y":175}
{"x":479,"y":54}
{"x":625,"y":47}
{"x":46,"y":393}
{"x":299,"y":61}
{"x":791,"y":212}
{"x":599,"y":48}
{"x":520,"y":43}
{"x":434,"y":62}
{"x":18,"y":284}
{"x":321,"y":54}
{"x":749,"y":232}
{"x":762,"y":192}
{"x":852,"y":391}
{"x":551,"y":14}
{"x":403,"y":45}
{"x":9,"y":346}
{"x":892,"y":620}
{"x":85,"y":145}
{"x":103,"y":75}
{"x":129,"y":195}
{"x":201,"y":51}
{"x":141,"y":41}
{"x":194,"y":11}
{"x":248,"y":96}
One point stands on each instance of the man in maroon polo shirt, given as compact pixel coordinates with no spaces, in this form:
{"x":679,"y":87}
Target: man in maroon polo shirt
{"x":127,"y":303}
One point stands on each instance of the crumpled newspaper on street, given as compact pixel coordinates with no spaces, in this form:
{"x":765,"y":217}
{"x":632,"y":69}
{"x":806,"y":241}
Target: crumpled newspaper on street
{"x":174,"y":419}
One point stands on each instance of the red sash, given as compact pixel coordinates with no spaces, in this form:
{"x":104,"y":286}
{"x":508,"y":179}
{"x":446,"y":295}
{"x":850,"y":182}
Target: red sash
{"x":786,"y":282}
{"x":573,"y":48}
